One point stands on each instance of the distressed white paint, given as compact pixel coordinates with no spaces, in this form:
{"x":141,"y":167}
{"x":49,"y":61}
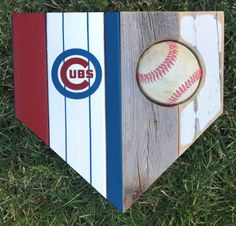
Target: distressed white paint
{"x":187,"y":135}
{"x":98,"y":120}
{"x":219,"y":31}
{"x":55,"y":99}
{"x":77,"y":111}
{"x":188,"y":30}
{"x":207,"y":39}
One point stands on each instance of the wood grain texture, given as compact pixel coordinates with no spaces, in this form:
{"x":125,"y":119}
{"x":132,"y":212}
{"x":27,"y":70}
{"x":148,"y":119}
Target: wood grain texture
{"x":197,"y":114}
{"x":149,"y":131}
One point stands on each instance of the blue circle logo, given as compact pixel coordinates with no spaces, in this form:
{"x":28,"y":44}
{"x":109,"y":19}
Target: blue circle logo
{"x":76,"y":73}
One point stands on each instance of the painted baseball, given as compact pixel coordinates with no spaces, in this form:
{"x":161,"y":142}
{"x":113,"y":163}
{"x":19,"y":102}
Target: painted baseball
{"x":168,"y":73}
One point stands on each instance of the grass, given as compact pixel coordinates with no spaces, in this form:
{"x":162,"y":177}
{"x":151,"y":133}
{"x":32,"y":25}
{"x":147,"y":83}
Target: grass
{"x":38,"y":188}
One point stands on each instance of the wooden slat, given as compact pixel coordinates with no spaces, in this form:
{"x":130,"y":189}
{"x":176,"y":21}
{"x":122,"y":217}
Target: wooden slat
{"x":203,"y":31}
{"x":56,"y":102}
{"x":149,"y":131}
{"x":113,"y":109}
{"x":30,"y":72}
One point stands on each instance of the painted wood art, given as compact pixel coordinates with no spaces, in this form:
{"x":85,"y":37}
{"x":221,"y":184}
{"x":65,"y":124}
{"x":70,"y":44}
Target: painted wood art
{"x":119,"y":96}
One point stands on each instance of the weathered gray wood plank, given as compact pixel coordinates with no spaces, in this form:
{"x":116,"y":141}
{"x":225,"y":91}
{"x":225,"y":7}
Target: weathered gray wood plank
{"x":149,"y":131}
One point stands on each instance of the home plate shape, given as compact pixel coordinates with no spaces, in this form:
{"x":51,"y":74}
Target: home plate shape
{"x":120,"y":95}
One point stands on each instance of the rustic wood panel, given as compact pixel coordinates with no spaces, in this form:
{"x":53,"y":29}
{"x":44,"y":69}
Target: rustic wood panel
{"x":149,"y":131}
{"x":204,"y":32}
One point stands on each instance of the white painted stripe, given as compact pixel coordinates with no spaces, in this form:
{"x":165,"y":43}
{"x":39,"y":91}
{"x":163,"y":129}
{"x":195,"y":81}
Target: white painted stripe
{"x":187,"y":130}
{"x":78,"y":147}
{"x":201,"y":31}
{"x":56,"y":100}
{"x":98,"y":123}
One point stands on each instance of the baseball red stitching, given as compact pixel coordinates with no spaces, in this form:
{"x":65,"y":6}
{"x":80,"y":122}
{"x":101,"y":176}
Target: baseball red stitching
{"x":184,"y":87}
{"x":163,"y":68}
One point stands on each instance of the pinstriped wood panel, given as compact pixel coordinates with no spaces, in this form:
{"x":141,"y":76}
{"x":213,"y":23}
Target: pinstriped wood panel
{"x":77,"y":113}
{"x":77,"y":126}
{"x":98,"y":114}
{"x":149,"y":131}
{"x":55,"y":99}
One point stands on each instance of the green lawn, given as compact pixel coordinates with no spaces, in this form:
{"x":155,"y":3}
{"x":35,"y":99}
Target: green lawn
{"x":38,"y":188}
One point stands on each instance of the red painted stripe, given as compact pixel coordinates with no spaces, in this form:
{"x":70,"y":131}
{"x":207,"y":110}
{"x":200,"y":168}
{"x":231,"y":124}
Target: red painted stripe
{"x":30,"y":72}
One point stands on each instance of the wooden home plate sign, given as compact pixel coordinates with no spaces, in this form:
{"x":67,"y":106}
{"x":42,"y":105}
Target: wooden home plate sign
{"x":119,"y":96}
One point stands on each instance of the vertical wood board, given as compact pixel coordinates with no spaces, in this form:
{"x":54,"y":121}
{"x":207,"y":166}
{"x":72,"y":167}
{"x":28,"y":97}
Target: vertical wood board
{"x":113,"y":109}
{"x":149,"y":131}
{"x":203,"y":31}
{"x":31,"y":101}
{"x":77,"y":126}
{"x":77,"y":111}
{"x":98,"y":119}
{"x":55,"y":99}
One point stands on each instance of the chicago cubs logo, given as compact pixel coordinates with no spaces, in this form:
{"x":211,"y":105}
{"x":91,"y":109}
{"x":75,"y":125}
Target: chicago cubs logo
{"x":76,"y":73}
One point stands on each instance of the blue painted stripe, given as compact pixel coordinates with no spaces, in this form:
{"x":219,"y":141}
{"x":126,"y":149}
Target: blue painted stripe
{"x":90,"y":128}
{"x":63,"y":48}
{"x":113,"y":109}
